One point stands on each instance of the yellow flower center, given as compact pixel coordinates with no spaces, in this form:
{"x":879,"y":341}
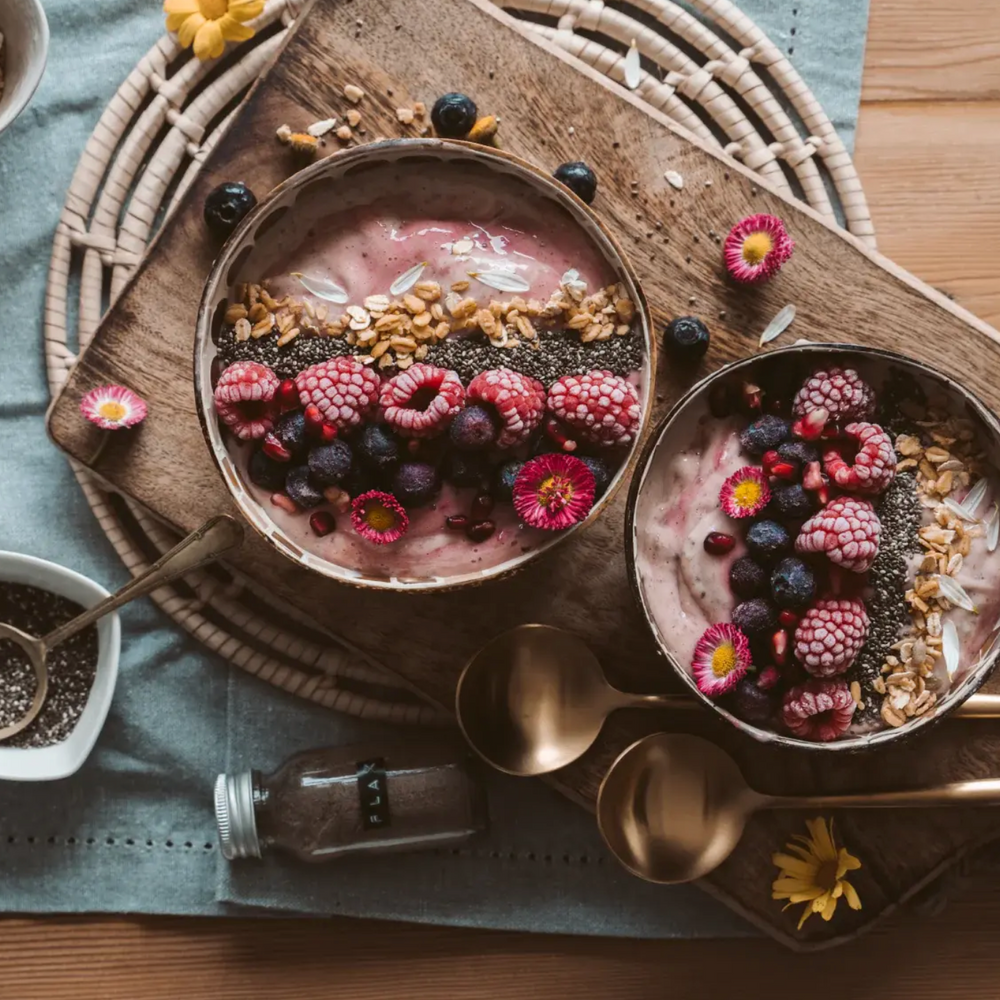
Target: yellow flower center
{"x":747,"y":493}
{"x":826,"y":875}
{"x":724,"y":659}
{"x":213,"y":10}
{"x":111,"y":410}
{"x":555,"y":492}
{"x":379,"y":518}
{"x":755,"y":247}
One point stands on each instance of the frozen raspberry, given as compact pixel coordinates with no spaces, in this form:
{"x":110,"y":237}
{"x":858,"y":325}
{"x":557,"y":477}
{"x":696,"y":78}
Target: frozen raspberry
{"x":840,"y":391}
{"x":829,"y":635}
{"x":421,"y":401}
{"x":343,"y":391}
{"x":874,"y":465}
{"x":518,"y":400}
{"x":847,"y":529}
{"x":818,"y":710}
{"x":602,"y":408}
{"x":243,"y":399}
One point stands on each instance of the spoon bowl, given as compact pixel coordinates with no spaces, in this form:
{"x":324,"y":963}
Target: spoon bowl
{"x":34,"y":649}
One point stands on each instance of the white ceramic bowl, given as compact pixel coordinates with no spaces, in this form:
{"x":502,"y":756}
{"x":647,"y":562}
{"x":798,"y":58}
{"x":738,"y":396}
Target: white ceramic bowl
{"x":25,"y":49}
{"x":66,"y":758}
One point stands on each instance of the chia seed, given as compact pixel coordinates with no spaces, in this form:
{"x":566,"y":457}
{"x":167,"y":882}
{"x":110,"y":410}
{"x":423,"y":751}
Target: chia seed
{"x":899,"y":512}
{"x":287,"y":361}
{"x":72,"y":666}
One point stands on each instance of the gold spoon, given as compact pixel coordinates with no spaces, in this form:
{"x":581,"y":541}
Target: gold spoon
{"x":672,"y":807}
{"x":534,"y":699}
{"x":202,"y":546}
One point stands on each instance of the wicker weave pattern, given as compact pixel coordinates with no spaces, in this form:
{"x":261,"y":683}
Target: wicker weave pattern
{"x":160,"y":126}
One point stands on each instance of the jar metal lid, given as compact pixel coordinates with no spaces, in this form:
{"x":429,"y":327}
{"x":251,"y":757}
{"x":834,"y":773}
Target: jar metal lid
{"x":235,"y":816}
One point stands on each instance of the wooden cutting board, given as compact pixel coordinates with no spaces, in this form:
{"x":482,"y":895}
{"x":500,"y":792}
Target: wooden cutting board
{"x":553,"y":109}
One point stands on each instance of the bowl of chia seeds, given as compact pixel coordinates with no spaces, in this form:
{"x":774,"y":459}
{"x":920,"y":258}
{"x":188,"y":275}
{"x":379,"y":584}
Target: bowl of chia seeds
{"x":812,"y":537}
{"x":37,"y":596}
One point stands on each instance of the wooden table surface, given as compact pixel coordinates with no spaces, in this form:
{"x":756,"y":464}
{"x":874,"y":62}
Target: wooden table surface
{"x":928,"y":149}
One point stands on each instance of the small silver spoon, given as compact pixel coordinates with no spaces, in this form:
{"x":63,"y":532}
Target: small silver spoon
{"x":202,"y":546}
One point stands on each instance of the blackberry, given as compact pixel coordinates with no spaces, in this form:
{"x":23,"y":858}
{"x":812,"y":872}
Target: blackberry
{"x":768,"y":541}
{"x":265,"y":472}
{"x":755,"y":617}
{"x":793,"y":503}
{"x":793,"y":584}
{"x":330,"y":464}
{"x":686,"y":338}
{"x":503,"y":487}
{"x":226,"y":206}
{"x":290,"y":430}
{"x":579,"y":178}
{"x":747,"y":578}
{"x":415,"y":484}
{"x":300,"y":487}
{"x":453,"y":115}
{"x":798,"y":452}
{"x":764,"y":434}
{"x":751,"y":703}
{"x":473,"y":429}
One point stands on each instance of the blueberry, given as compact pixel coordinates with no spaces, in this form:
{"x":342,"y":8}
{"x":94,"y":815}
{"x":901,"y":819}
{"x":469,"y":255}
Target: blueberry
{"x":301,"y":489}
{"x":415,"y":483}
{"x":453,"y":115}
{"x":792,"y":502}
{"x":359,"y":481}
{"x":266,"y":473}
{"x":226,"y":206}
{"x":686,"y":338}
{"x":465,"y":469}
{"x":329,"y":464}
{"x":579,"y":178}
{"x":755,"y":617}
{"x":291,"y":431}
{"x":503,"y":487}
{"x":798,"y":452}
{"x":747,"y":578}
{"x":752,"y":704}
{"x":602,"y":474}
{"x":378,"y":449}
{"x":473,"y":429}
{"x":792,"y":584}
{"x":768,"y":541}
{"x":764,"y":434}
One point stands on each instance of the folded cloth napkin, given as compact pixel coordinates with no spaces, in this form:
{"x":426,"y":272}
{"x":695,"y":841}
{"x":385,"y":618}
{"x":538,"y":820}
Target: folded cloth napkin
{"x":134,"y":831}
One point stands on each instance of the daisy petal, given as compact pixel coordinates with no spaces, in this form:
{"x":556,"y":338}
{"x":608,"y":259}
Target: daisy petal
{"x":822,"y":839}
{"x":245,"y":10}
{"x":208,"y":42}
{"x":847,"y":863}
{"x":851,"y":895}
{"x":180,"y":7}
{"x":188,"y":29}
{"x":233,"y":31}
{"x":795,"y":866}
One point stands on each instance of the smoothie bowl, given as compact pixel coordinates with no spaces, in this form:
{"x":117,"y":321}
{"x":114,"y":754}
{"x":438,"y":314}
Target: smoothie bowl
{"x":421,"y":364}
{"x":812,"y":536}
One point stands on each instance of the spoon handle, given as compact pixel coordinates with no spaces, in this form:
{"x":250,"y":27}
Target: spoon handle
{"x":970,"y":793}
{"x":979,"y":706}
{"x":661,"y":701}
{"x":202,"y":546}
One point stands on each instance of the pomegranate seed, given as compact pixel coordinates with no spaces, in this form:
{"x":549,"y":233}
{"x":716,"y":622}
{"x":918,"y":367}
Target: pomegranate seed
{"x":413,"y":446}
{"x":482,"y":507}
{"x":273,"y":448}
{"x":322,"y":523}
{"x":287,"y":395}
{"x":558,"y":433}
{"x":752,"y":396}
{"x":457,"y":522}
{"x":480,"y":531}
{"x":314,"y":418}
{"x":768,"y":678}
{"x":769,"y":461}
{"x":720,"y":402}
{"x":812,"y":479}
{"x":788,"y":618}
{"x":823,"y":494}
{"x":718,"y":543}
{"x":779,"y":647}
{"x":326,"y":433}
{"x":811,"y":425}
{"x":284,"y":502}
{"x":783,"y":470}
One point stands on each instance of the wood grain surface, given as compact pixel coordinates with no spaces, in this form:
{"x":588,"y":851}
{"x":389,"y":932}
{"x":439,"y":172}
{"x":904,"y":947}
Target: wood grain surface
{"x":840,"y":292}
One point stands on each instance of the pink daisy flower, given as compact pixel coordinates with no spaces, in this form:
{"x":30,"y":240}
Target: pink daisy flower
{"x":379,"y":517}
{"x":745,"y":492}
{"x":756,"y":248}
{"x":553,"y":492}
{"x":721,"y":658}
{"x":112,"y":407}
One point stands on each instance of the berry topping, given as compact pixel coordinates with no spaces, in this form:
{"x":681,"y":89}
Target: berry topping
{"x":273,"y":448}
{"x":753,"y":703}
{"x":421,"y":401}
{"x":343,"y":390}
{"x":755,"y":617}
{"x":812,"y":478}
{"x":473,"y":429}
{"x":769,"y":677}
{"x":792,"y":502}
{"x":745,"y":493}
{"x":686,"y":338}
{"x":718,"y":543}
{"x":506,"y":477}
{"x":322,"y":523}
{"x":301,"y":489}
{"x":830,"y":635}
{"x":874,"y":465}
{"x":768,"y":541}
{"x":779,"y":647}
{"x":453,"y":116}
{"x":764,"y":434}
{"x":226,"y":206}
{"x":602,"y":473}
{"x":457,"y":522}
{"x":480,"y":531}
{"x":746,"y":577}
{"x":798,"y":452}
{"x":378,"y":449}
{"x":416,"y":484}
{"x":265,"y":472}
{"x":379,"y":517}
{"x":788,"y":618}
{"x":553,"y":492}
{"x":463,"y":468}
{"x":756,"y":248}
{"x":559,"y":434}
{"x":287,"y":396}
{"x":113,"y":407}
{"x":811,"y":426}
{"x":330,"y":464}
{"x":579,"y":178}
{"x":519,"y":402}
{"x":601,"y":407}
{"x":818,"y":710}
{"x":243,"y":398}
{"x":721,"y":658}
{"x":793,"y":584}
{"x":847,"y":530}
{"x":290,"y":430}
{"x":840,"y":391}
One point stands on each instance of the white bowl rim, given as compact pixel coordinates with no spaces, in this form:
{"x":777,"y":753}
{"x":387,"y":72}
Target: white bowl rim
{"x":36,"y":71}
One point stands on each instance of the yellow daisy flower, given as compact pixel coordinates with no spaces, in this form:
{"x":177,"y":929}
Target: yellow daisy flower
{"x":209,"y":24}
{"x":813,"y":872}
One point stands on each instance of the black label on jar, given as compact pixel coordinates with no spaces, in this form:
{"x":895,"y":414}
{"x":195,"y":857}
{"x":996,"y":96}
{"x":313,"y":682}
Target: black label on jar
{"x":373,"y":793}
